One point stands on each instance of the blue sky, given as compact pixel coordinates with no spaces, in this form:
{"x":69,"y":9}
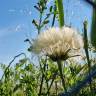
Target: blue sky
{"x":15,"y":23}
{"x":15,"y":26}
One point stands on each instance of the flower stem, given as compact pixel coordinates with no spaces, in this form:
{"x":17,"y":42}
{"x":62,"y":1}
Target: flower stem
{"x":60,"y":9}
{"x":61,"y":74}
{"x":59,"y":4}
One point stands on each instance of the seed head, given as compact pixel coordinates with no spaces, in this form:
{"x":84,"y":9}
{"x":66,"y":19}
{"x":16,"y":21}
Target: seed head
{"x":58,"y":43}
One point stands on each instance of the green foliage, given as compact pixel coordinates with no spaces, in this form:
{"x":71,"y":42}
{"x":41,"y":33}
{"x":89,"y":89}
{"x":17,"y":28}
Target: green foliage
{"x":21,"y":78}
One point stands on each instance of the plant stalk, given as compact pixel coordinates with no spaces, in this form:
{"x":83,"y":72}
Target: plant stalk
{"x":61,"y":75}
{"x":60,"y":9}
{"x":86,"y":50}
{"x":93,"y":28}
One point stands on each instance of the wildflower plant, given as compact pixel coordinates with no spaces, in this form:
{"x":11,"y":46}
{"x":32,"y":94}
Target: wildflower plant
{"x":58,"y":43}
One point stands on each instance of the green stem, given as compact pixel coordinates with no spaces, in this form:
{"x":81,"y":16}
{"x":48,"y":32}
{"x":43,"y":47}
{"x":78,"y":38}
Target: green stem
{"x":93,"y":27}
{"x":86,"y":49}
{"x":41,"y":84}
{"x":61,"y":74}
{"x":59,"y":4}
{"x":40,"y":20}
{"x":60,"y":12}
{"x":54,"y":16}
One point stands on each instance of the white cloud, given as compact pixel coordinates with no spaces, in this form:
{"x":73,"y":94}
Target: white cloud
{"x":12,"y":29}
{"x":26,"y":11}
